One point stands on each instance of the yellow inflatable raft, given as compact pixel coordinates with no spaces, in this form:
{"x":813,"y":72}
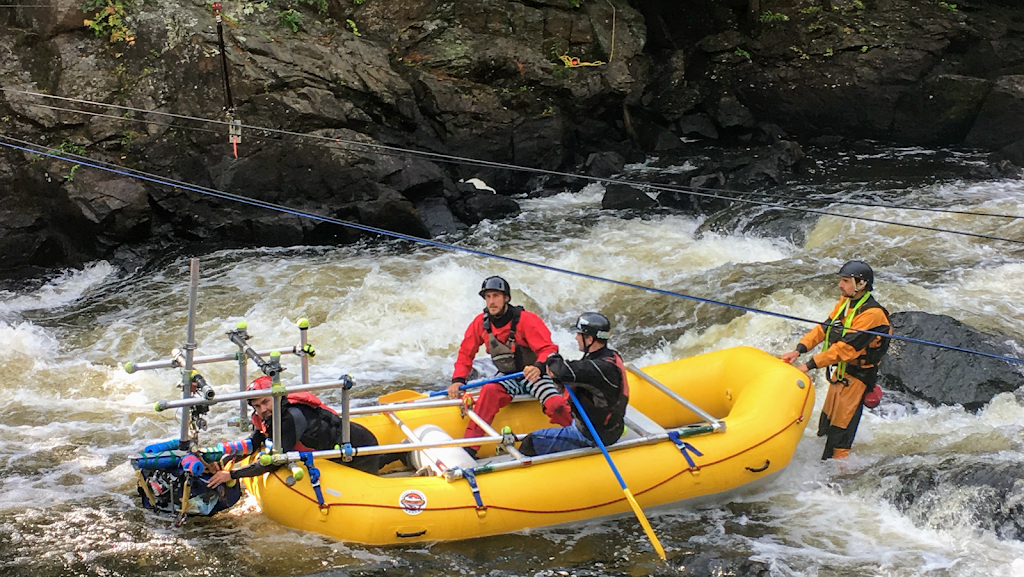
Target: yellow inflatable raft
{"x":759,"y":404}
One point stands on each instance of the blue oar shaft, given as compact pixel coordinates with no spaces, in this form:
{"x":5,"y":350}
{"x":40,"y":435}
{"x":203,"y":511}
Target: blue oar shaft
{"x":481,"y":382}
{"x":640,"y":516}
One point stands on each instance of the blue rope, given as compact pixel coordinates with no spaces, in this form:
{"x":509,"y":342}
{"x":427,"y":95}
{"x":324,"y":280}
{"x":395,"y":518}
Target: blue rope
{"x":280,"y":208}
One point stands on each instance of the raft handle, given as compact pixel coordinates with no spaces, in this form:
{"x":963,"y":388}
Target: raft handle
{"x":401,"y":535}
{"x":759,"y":469}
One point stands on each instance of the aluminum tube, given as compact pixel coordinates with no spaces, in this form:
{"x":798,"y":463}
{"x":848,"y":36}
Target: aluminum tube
{"x":190,"y":347}
{"x":171,"y":363}
{"x":303,"y":357}
{"x":245,"y":395}
{"x":490,"y":431}
{"x":293,"y":456}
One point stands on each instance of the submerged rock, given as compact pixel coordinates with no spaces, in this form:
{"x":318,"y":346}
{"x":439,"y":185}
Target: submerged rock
{"x":976,"y":492}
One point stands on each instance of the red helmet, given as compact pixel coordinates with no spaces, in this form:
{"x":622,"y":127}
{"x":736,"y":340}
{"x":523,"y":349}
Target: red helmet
{"x":263,"y":382}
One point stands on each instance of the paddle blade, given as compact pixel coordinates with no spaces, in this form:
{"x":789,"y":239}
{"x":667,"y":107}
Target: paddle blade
{"x":400,"y":397}
{"x":645,"y":524}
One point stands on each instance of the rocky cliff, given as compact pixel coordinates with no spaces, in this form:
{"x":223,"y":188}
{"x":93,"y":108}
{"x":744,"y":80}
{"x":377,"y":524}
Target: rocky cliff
{"x":560,"y":85}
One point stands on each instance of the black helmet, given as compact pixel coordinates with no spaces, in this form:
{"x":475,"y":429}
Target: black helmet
{"x":859,"y":269}
{"x":496,"y":283}
{"x":595,"y":325}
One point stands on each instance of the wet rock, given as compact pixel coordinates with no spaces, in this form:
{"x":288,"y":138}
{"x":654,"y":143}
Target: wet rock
{"x":605,"y":164}
{"x":390,"y":211}
{"x":970,"y":491}
{"x":698,"y":124}
{"x":951,"y":101}
{"x":712,"y":564}
{"x":474,"y":207}
{"x":437,"y":217}
{"x":1000,"y":121}
{"x":623,"y":196}
{"x":52,"y":19}
{"x":731,"y":114}
{"x":945,"y":377}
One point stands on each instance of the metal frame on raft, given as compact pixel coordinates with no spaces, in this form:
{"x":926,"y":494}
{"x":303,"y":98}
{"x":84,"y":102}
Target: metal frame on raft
{"x":193,"y":383}
{"x":197,"y":396}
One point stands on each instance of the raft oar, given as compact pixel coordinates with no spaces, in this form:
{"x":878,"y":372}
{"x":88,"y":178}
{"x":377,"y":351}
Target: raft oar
{"x":406,"y":395}
{"x":625,"y":490}
{"x":479,"y":383}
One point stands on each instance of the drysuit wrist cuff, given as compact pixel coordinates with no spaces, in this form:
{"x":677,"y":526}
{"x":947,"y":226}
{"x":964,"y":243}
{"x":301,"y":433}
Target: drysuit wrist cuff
{"x":800,"y":348}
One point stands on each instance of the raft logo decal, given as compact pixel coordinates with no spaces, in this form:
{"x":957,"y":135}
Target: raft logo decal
{"x":413,"y":502}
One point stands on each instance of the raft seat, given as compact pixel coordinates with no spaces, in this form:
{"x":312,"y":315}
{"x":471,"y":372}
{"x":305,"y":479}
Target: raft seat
{"x":639,"y":425}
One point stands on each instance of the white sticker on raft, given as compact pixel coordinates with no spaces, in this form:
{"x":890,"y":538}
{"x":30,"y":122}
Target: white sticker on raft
{"x":413,"y":502}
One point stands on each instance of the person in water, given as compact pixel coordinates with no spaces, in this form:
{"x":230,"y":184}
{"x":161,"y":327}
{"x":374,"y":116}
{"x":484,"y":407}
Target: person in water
{"x":851,"y":357}
{"x":599,"y":381}
{"x":307,"y":424}
{"x":517,"y":340}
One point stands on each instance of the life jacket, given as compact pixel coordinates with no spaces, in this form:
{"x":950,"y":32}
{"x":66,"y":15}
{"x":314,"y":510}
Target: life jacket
{"x":508,"y":357}
{"x":300,"y":398}
{"x":864,"y":367}
{"x":606,"y":415}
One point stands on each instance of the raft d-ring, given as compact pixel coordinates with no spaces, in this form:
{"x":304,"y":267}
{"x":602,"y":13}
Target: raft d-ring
{"x":800,"y":383}
{"x":760,"y":469}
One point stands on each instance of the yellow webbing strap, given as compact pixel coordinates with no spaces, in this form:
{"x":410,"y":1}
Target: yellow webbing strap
{"x":145,"y":488}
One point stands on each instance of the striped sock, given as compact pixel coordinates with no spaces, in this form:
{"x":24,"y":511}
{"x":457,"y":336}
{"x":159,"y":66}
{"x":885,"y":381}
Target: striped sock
{"x":543,"y":389}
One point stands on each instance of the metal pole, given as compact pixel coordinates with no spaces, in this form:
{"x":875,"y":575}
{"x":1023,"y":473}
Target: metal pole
{"x":718,"y":425}
{"x":243,"y":383}
{"x":190,"y":347}
{"x":346,"y":412}
{"x":487,"y":428}
{"x":278,"y":391}
{"x":303,"y":357}
{"x":131,"y":367}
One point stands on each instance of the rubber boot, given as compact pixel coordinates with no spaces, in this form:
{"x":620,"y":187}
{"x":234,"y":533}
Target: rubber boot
{"x":492,"y":398}
{"x":558,"y":411}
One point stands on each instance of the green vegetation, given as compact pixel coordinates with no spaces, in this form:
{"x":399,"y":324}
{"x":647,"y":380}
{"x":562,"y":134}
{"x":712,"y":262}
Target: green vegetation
{"x":549,"y":111}
{"x":828,"y":52}
{"x":768,"y":16}
{"x":68,"y":146}
{"x":863,"y":49}
{"x":858,"y":4}
{"x":109,"y":19}
{"x":948,"y":6}
{"x":575,"y":3}
{"x":743,"y":53}
{"x":290,"y":18}
{"x":352,"y":26}
{"x":358,"y":2}
{"x":810,"y":10}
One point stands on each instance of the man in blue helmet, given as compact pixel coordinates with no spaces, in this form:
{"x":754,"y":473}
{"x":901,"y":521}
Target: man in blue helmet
{"x":517,"y":340}
{"x":849,"y":356}
{"x":599,"y":381}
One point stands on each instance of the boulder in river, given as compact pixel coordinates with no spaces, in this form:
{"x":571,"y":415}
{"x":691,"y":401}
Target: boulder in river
{"x":943,"y":376}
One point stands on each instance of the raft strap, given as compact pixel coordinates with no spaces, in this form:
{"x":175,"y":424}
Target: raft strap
{"x":314,"y":476}
{"x":470,"y":476}
{"x":685,"y":448}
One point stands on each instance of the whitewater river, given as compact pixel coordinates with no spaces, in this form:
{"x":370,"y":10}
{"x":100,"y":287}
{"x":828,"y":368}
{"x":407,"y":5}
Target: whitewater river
{"x":392,"y":314}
